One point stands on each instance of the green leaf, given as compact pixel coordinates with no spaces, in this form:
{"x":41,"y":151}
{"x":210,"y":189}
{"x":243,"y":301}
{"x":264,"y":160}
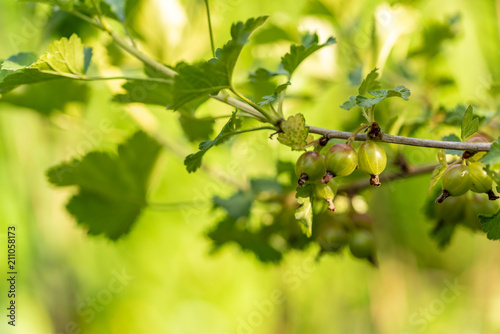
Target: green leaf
{"x":382,"y":94}
{"x":193,"y":161}
{"x":298,"y":53}
{"x":145,"y":91}
{"x":294,"y":132}
{"x":491,"y":225}
{"x":261,"y":185}
{"x":442,"y":233}
{"x":369,"y":83}
{"x":122,"y":8}
{"x":66,"y":57}
{"x":304,"y":213}
{"x":236,"y":206}
{"x":196,"y":129}
{"x":261,"y":74}
{"x":208,"y":78}
{"x":257,"y":242}
{"x":19,"y":75}
{"x":41,"y":98}
{"x":111,"y":189}
{"x":63,"y":4}
{"x":438,"y":171}
{"x":277,"y":91}
{"x":349,"y":104}
{"x":470,"y":124}
{"x":452,"y":137}
{"x":19,"y":61}
{"x":493,"y":156}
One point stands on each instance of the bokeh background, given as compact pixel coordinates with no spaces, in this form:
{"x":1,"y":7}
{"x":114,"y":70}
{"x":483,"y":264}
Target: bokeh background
{"x":162,"y":277}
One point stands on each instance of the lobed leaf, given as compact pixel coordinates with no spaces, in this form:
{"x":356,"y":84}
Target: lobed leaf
{"x":369,"y":83}
{"x":193,"y":161}
{"x":294,"y":132}
{"x":66,"y":58}
{"x":257,"y":242}
{"x":470,"y":124}
{"x":493,"y":156}
{"x":111,"y":189}
{"x":298,"y":53}
{"x":452,"y":137}
{"x":491,"y":225}
{"x":208,"y":78}
{"x":382,"y":94}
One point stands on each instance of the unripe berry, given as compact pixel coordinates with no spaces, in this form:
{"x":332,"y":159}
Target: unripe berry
{"x":452,"y":210}
{"x":456,"y":181}
{"x":325,"y":192}
{"x":372,"y":160}
{"x":478,"y":205}
{"x":332,"y":237}
{"x":340,"y":160}
{"x":481,"y":181}
{"x":362,"y":245}
{"x":310,"y":167}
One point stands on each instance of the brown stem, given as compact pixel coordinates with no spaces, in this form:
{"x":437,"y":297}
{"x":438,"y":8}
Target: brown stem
{"x":375,"y":180}
{"x":328,"y":176}
{"x":444,"y":195}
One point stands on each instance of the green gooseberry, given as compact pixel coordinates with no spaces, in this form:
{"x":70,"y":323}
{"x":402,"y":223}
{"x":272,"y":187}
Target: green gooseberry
{"x":478,"y":205}
{"x":372,"y":160}
{"x":325,"y":192}
{"x":340,"y":160}
{"x":362,"y":245}
{"x":481,"y":181}
{"x":456,"y":181}
{"x":310,"y":167}
{"x":331,"y":237}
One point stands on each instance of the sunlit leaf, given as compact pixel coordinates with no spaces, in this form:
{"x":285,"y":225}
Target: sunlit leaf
{"x":294,"y":132}
{"x":470,"y":124}
{"x":298,"y":53}
{"x":210,"y":77}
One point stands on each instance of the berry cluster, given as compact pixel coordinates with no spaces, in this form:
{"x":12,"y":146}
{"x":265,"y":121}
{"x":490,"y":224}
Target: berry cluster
{"x":339,"y":160}
{"x":459,"y":178}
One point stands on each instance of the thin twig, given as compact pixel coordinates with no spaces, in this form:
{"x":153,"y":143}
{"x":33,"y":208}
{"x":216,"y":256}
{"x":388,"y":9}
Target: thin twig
{"x":210,"y":28}
{"x":354,"y":187}
{"x":450,"y":145}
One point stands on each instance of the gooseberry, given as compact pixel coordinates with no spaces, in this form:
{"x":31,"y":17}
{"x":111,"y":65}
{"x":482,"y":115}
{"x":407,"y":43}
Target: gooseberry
{"x":372,"y":160}
{"x":456,"y":182}
{"x":362,"y":245}
{"x":310,"y":167}
{"x":481,"y":181}
{"x":340,"y":160}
